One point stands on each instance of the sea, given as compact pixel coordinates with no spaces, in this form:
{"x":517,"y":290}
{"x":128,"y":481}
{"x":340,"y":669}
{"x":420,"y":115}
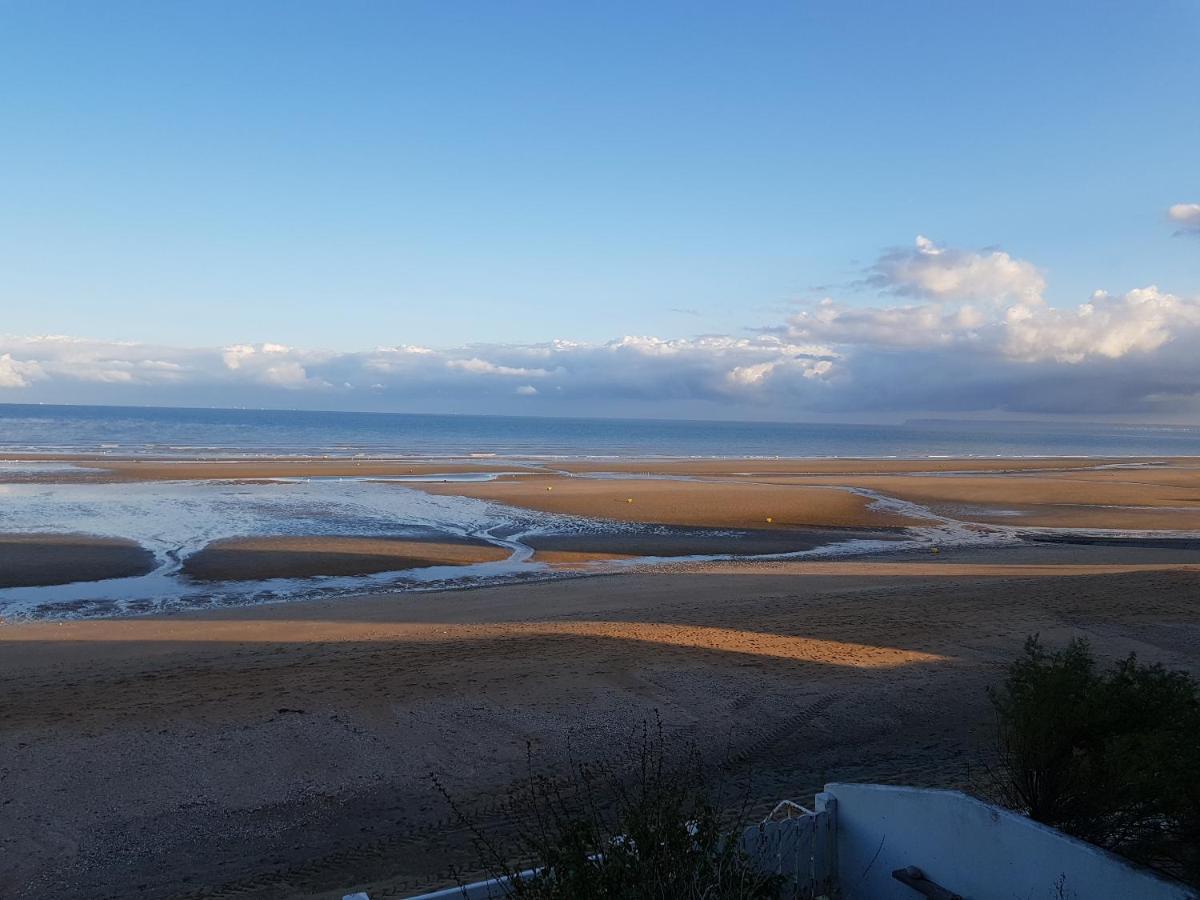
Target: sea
{"x":164,"y":431}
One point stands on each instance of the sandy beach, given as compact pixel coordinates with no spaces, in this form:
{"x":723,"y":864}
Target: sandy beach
{"x":286,"y":750}
{"x":616,"y":510}
{"x":684,"y":507}
{"x":1135,"y":495}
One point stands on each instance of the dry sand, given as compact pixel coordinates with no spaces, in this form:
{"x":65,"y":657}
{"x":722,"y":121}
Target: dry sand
{"x":285,"y":751}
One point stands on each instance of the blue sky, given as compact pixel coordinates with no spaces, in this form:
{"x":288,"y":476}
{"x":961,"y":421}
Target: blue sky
{"x":349,"y":176}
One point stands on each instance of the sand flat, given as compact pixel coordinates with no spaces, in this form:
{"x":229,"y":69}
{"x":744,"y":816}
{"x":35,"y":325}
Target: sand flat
{"x":1105,"y":499}
{"x":1147,"y":493}
{"x":564,"y":550}
{"x":1045,"y":489}
{"x":733,"y":505}
{"x":251,"y":469}
{"x":151,"y":468}
{"x":29,"y":560}
{"x":308,"y":730}
{"x":310,"y":555}
{"x":858,"y":466}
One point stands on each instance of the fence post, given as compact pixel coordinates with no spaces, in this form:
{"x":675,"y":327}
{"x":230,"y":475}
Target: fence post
{"x":825,"y":851}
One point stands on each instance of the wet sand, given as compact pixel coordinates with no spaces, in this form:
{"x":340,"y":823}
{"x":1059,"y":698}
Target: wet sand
{"x":252,"y":469}
{"x":1137,"y":494}
{"x":861,"y":466}
{"x":1127,"y":496}
{"x":39,"y":559}
{"x":776,"y":505}
{"x":151,"y":468}
{"x":29,"y":560}
{"x":565,"y":549}
{"x":694,"y":503}
{"x":1115,"y":498}
{"x":243,"y":559}
{"x":285,"y":751}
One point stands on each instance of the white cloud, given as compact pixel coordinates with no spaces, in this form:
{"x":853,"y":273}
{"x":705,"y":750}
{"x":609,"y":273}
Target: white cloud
{"x":1140,"y":321}
{"x":1186,"y":216}
{"x":276,"y":365}
{"x":477,"y":366}
{"x":234,"y":355}
{"x":17,"y":374}
{"x":921,"y":325}
{"x":711,"y":369}
{"x":290,"y":375}
{"x":934,"y":272}
{"x":974,"y":334}
{"x":760,"y":373}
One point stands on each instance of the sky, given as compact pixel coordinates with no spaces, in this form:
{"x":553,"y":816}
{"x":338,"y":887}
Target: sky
{"x":773,"y":210}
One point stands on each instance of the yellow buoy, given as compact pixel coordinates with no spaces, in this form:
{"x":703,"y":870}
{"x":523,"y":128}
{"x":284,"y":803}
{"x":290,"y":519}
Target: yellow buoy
{"x":769,"y":520}
{"x":549,"y":488}
{"x":629,"y":500}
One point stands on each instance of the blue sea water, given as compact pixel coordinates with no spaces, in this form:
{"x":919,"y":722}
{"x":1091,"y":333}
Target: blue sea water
{"x":122,"y":431}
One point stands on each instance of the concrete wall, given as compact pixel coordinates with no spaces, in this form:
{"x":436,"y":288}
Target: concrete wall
{"x":978,"y":851}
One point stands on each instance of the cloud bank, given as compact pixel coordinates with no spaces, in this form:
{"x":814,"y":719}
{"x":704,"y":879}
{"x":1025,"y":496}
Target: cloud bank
{"x":956,"y":332}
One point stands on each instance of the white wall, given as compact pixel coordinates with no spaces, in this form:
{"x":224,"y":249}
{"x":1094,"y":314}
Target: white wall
{"x":979,"y":851}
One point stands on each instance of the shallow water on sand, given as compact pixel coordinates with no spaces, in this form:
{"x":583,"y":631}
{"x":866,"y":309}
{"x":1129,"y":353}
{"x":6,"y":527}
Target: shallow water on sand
{"x":176,"y":519}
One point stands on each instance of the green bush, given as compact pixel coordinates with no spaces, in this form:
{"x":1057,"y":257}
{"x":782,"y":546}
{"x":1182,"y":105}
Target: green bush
{"x":644,"y":824}
{"x":1112,"y":756}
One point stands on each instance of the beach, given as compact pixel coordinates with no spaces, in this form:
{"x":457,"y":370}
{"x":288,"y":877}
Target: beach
{"x":276,"y":520}
{"x":287,"y":750}
{"x":803,"y":620}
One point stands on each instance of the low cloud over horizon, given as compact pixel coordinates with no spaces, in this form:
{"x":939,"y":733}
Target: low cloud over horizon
{"x":954,"y":332}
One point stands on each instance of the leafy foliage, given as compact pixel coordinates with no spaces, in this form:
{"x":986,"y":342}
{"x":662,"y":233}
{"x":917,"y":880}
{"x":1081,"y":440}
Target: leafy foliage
{"x":1112,"y":757}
